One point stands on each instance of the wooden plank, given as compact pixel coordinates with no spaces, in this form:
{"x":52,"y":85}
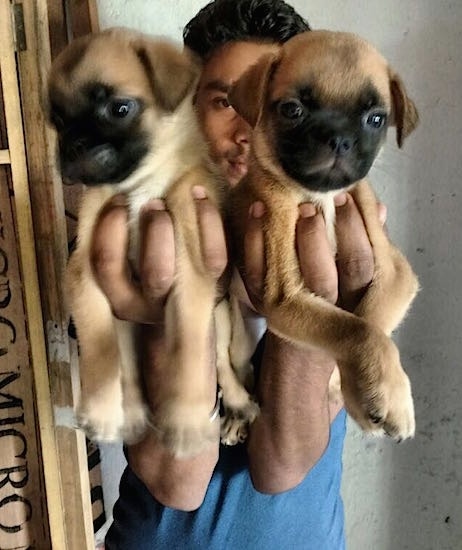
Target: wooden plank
{"x":58,"y":25}
{"x":83,"y":17}
{"x":4,"y":156}
{"x":23,"y":504}
{"x":51,"y":245}
{"x":28,"y":268}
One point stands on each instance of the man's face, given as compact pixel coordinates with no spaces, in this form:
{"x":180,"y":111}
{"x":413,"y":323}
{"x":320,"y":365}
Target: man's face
{"x":228,"y":134}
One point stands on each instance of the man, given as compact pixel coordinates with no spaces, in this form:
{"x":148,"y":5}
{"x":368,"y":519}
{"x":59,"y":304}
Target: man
{"x":281,"y":489}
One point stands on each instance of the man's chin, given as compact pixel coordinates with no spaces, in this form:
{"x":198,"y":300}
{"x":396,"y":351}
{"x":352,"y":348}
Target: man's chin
{"x":235,"y":171}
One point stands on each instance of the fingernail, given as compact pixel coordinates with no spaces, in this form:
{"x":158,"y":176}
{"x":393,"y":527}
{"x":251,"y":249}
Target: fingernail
{"x":153,"y":204}
{"x":257,"y":209}
{"x":382,"y":210}
{"x":119,"y":200}
{"x":198,"y":192}
{"x":307,"y":210}
{"x":340,"y":199}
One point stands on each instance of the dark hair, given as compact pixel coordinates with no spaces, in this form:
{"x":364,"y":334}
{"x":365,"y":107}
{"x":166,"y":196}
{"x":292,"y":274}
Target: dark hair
{"x":223,"y":21}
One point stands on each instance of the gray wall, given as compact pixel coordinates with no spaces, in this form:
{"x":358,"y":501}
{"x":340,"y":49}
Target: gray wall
{"x":406,"y":496}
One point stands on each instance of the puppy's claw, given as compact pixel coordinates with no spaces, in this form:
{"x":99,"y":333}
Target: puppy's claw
{"x":235,"y":423}
{"x":233,"y":431}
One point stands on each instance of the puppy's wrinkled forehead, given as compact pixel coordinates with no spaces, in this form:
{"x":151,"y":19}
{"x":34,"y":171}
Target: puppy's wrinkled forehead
{"x":335,"y":68}
{"x":107,"y":59}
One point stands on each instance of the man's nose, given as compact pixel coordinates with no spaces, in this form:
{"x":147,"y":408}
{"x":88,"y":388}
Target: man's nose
{"x":242,"y":130}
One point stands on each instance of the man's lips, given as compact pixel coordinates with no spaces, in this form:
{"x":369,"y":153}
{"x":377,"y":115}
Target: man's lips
{"x":237,"y":167}
{"x":240,"y":159}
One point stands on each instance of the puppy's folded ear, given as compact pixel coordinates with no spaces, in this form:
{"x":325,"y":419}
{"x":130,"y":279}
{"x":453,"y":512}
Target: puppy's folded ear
{"x":248,"y":94}
{"x":405,"y":115}
{"x":172,"y":72}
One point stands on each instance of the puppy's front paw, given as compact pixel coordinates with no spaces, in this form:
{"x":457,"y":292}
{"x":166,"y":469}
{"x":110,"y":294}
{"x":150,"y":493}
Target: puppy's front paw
{"x":135,"y":421}
{"x":135,"y":411}
{"x":399,"y":422}
{"x":185,"y":429}
{"x":101,"y":419}
{"x":377,"y":391}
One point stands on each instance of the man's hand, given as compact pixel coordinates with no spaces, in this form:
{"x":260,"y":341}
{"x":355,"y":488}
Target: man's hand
{"x":142,"y":298}
{"x":342,"y":280}
{"x":139,"y":301}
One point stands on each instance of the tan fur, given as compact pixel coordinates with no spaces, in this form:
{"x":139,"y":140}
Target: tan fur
{"x":112,"y":405}
{"x":375,"y":387}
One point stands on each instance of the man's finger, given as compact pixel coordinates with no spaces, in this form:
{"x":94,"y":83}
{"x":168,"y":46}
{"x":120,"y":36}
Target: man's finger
{"x":108,"y":258}
{"x":382,"y":212}
{"x":157,"y":253}
{"x":254,"y":254}
{"x":317,"y":263}
{"x":212,"y":233}
{"x":355,"y":259}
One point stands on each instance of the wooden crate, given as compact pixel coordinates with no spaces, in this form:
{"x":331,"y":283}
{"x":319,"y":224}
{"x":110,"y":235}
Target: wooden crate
{"x":44,"y":482}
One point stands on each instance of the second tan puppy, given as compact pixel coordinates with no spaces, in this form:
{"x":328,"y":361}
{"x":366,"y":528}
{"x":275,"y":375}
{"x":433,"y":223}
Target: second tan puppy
{"x":122,"y":106}
{"x":320,"y":108}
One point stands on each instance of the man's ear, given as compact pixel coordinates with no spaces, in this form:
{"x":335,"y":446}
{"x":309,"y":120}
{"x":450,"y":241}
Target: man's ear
{"x":405,"y":115}
{"x":172,"y":72}
{"x":248,"y":94}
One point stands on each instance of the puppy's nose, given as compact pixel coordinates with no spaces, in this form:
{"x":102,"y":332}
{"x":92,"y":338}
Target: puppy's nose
{"x":340,"y":144}
{"x":75,"y":149}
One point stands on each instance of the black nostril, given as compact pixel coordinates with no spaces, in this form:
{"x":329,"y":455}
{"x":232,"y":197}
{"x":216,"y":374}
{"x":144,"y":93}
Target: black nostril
{"x":340,"y":145}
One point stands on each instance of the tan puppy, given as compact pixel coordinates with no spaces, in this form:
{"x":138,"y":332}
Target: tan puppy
{"x":122,"y":105}
{"x":320,"y":107}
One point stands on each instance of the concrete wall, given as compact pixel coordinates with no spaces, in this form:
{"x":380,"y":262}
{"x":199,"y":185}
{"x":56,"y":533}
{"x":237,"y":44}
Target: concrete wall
{"x":407,"y":496}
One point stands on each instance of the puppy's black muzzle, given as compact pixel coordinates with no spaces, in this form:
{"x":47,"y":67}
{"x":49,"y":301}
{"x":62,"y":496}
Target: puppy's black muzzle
{"x":86,"y":156}
{"x":326,"y":150}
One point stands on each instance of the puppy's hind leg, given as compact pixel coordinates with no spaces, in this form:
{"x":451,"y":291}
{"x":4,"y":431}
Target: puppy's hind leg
{"x":99,"y":411}
{"x":240,"y":409}
{"x":134,"y":408}
{"x":183,"y":419}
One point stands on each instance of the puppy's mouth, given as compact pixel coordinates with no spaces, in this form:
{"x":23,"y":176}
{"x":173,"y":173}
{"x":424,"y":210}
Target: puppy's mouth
{"x":101,"y":163}
{"x":326,"y":174}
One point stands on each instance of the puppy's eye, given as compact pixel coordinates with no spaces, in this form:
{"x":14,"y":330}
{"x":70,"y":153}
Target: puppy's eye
{"x":374,"y":120}
{"x":119,"y":110}
{"x":291,"y":109}
{"x":122,"y":108}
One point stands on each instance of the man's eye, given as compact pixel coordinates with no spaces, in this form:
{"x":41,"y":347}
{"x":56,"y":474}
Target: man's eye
{"x":221,"y":102}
